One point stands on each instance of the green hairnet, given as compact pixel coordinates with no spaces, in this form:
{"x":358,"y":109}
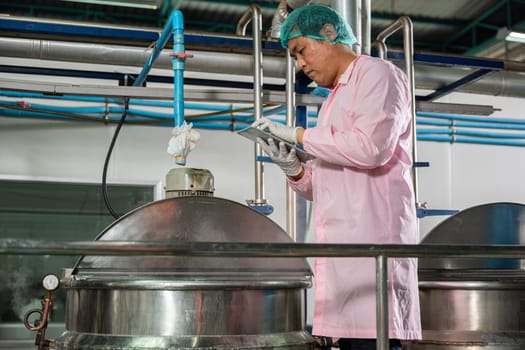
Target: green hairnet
{"x":308,"y":21}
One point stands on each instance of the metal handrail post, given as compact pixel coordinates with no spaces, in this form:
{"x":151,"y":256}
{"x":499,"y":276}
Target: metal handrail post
{"x":291,"y":216}
{"x":381,"y":302}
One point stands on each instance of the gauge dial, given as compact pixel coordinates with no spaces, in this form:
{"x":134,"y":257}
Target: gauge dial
{"x":51,"y":282}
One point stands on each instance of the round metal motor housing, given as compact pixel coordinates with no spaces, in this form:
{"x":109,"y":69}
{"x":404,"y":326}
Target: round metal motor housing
{"x":182,"y":302}
{"x":182,"y":182}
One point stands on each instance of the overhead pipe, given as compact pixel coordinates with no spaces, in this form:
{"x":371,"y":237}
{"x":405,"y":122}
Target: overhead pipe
{"x":507,"y":82}
{"x":453,"y":124}
{"x":471,"y":118}
{"x":456,"y":131}
{"x":223,"y":113}
{"x":254,"y":15}
{"x":225,"y":122}
{"x":408,"y":46}
{"x":471,"y":140}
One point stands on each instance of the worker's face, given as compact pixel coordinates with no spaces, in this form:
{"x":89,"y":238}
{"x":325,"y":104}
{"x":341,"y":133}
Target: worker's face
{"x":313,"y":58}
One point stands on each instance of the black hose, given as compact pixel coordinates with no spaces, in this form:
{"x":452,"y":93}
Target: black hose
{"x":108,"y":156}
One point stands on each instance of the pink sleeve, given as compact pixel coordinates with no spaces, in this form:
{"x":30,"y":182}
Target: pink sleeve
{"x":366,"y":133}
{"x":303,"y":186}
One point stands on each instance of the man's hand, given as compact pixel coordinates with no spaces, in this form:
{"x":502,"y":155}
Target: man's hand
{"x":286,"y":160}
{"x":282,"y":131}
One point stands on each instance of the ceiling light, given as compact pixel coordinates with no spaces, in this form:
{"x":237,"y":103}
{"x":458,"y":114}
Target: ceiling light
{"x":149,"y":5}
{"x":516,"y":36}
{"x":508,"y":35}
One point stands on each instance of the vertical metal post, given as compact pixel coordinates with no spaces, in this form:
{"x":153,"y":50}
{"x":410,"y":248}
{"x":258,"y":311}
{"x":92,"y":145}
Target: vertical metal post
{"x":254,"y":14}
{"x":366,"y":27}
{"x":291,"y":216}
{"x":257,"y":94}
{"x":382,"y":302}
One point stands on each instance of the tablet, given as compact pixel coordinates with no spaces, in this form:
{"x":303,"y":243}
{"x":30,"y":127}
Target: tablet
{"x":253,"y":133}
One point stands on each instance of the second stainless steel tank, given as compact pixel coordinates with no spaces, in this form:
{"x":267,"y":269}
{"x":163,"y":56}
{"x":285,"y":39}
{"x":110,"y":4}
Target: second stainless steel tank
{"x":474,"y":304}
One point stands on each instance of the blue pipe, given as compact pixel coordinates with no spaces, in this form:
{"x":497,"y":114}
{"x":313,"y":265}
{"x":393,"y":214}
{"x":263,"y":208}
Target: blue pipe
{"x":233,"y":126}
{"x":159,"y":45}
{"x":276,"y":110}
{"x":469,"y":133}
{"x":177,"y":60}
{"x":470,"y":124}
{"x":453,"y":139}
{"x":470,"y":118}
{"x":106,"y":111}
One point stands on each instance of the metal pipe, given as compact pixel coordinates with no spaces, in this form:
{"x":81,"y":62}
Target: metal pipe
{"x":366,"y":26}
{"x":508,"y":82}
{"x":408,"y":46}
{"x":351,"y":13}
{"x":254,"y":14}
{"x":291,"y":215}
{"x":381,"y":303}
{"x":256,"y":249}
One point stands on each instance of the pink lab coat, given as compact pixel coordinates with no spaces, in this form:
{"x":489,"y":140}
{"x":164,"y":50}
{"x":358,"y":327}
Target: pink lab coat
{"x":361,"y":187}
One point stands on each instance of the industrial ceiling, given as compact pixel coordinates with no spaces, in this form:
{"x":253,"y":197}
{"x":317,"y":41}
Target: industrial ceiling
{"x":456,"y":27}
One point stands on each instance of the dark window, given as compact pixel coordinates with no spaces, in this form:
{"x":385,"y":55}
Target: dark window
{"x":53,"y":211}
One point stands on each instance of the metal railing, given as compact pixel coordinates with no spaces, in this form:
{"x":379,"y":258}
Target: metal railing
{"x":235,"y":249}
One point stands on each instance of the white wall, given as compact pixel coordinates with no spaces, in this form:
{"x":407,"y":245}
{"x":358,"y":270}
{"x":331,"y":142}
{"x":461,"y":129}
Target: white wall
{"x":463,"y":175}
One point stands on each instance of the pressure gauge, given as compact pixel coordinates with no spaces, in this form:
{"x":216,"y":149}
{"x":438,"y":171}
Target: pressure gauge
{"x":50,"y":282}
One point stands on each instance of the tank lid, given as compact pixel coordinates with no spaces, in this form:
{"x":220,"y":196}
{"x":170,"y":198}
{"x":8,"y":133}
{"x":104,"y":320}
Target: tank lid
{"x":206,"y":219}
{"x":492,"y":223}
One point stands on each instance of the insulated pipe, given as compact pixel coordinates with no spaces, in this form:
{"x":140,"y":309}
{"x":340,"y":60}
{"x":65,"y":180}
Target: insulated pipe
{"x":117,"y":55}
{"x":508,"y":82}
{"x":254,"y":14}
{"x":408,"y":44}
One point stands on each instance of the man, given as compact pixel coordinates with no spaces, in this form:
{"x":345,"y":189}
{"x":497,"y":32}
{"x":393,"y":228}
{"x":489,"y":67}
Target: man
{"x":360,"y":182}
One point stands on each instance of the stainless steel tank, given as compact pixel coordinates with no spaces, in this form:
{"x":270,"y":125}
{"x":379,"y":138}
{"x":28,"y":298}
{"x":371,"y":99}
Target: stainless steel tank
{"x":182,"y":302}
{"x":474,"y":304}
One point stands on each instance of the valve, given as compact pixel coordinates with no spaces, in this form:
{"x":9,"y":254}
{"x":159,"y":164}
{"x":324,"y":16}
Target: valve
{"x":50,"y":283}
